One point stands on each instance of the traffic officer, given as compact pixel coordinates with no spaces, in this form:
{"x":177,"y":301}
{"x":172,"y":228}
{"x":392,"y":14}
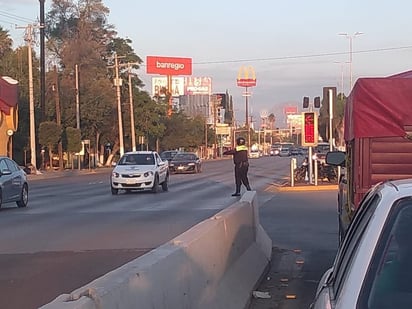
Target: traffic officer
{"x":240,"y":159}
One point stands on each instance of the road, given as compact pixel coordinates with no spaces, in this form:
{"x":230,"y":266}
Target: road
{"x":74,"y":230}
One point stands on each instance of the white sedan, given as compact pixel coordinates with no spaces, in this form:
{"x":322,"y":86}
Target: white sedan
{"x":373,"y":268}
{"x":140,"y":170}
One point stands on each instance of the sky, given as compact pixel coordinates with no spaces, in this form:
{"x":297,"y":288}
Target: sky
{"x":294,"y":46}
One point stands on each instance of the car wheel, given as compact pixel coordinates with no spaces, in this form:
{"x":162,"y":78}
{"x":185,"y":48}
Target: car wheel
{"x":24,"y":196}
{"x":115,"y":191}
{"x":165,"y":184}
{"x":155,"y":187}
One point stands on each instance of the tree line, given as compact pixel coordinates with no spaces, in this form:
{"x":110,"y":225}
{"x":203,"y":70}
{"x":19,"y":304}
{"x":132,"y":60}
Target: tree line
{"x":79,"y":36}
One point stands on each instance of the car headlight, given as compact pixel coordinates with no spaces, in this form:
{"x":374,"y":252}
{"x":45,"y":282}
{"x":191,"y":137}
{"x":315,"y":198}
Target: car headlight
{"x":147,"y":174}
{"x":191,"y":164}
{"x":314,"y":157}
{"x":115,"y":175}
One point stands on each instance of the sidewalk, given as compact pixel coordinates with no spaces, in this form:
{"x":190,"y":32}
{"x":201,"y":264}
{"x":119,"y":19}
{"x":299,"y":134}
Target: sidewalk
{"x":67,"y":172}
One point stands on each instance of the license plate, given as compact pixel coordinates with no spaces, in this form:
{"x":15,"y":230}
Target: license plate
{"x":130,"y":181}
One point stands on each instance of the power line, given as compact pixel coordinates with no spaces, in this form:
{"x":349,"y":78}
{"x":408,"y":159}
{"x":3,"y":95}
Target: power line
{"x":16,"y":17}
{"x":376,"y":50}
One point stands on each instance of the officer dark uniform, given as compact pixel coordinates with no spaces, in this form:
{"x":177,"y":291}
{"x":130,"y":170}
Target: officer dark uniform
{"x":240,"y":159}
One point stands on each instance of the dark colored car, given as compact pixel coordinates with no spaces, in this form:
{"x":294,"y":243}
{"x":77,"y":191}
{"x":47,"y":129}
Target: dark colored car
{"x":168,"y":155}
{"x":13,"y":183}
{"x":185,"y":162}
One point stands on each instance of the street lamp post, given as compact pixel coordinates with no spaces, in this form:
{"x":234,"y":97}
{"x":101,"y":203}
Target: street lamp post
{"x":342,"y":64}
{"x":247,"y":116}
{"x":351,"y":37}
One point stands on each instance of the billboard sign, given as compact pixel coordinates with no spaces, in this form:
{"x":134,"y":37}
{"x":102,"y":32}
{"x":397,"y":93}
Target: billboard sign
{"x":198,"y":85}
{"x":288,"y":110}
{"x":159,"y":83}
{"x":168,"y":65}
{"x":246,"y":77}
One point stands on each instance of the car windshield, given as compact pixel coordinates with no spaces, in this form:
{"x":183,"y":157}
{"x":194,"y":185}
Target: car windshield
{"x":322,"y":148}
{"x":184,"y":157}
{"x":167,"y":155}
{"x":137,"y":159}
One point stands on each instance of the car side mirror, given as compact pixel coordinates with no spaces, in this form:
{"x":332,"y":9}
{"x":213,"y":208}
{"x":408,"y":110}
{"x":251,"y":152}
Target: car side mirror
{"x":5,"y":172}
{"x":336,"y":158}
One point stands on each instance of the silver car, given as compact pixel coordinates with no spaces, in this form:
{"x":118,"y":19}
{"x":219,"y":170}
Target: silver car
{"x":373,"y":268}
{"x":13,"y":183}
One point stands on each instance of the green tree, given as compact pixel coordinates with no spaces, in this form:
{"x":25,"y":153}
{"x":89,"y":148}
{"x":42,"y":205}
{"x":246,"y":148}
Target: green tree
{"x":6,"y":43}
{"x":183,"y":132}
{"x":337,"y":121}
{"x":49,"y":135}
{"x":74,"y":142}
{"x":80,"y":35}
{"x":14,"y":63}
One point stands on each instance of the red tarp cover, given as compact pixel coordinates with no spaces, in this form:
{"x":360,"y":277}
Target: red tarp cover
{"x":8,"y":94}
{"x":378,"y":107}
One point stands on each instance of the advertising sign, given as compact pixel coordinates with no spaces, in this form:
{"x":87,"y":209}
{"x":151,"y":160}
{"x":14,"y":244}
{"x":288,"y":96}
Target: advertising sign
{"x":310,"y":129}
{"x":290,"y":110}
{"x":161,"y":82}
{"x":168,"y":65}
{"x":246,"y":77}
{"x":198,"y":85}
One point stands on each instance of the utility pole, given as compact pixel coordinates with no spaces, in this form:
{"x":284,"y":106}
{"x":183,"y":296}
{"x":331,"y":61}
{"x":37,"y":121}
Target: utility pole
{"x":214,"y":126}
{"x":58,"y":117}
{"x":117,"y":83}
{"x":42,"y":62}
{"x":28,"y":37}
{"x":133,"y":130}
{"x":76,"y":72}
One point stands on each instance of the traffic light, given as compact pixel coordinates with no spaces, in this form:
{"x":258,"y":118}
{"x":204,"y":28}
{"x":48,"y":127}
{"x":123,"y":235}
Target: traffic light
{"x":316,"y":102}
{"x":305,"y":102}
{"x":310,"y":129}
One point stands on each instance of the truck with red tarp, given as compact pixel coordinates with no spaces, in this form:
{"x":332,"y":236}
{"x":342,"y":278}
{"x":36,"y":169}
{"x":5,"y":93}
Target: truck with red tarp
{"x":378,"y":139}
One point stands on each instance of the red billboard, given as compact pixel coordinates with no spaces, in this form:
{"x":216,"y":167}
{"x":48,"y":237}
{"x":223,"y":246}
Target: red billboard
{"x":168,"y":65}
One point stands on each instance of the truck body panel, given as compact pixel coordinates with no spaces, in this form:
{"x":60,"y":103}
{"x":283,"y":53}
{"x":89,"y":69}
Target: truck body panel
{"x":378,"y":138}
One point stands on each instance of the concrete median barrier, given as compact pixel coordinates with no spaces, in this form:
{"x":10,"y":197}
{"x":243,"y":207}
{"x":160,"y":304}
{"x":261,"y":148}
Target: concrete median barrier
{"x":215,"y":264}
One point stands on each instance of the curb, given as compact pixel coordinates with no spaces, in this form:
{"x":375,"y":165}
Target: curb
{"x":309,"y":188}
{"x":65,"y":173}
{"x":305,"y":188}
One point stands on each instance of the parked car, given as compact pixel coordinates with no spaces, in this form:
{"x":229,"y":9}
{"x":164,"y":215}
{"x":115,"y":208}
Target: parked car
{"x":13,"y":183}
{"x":372,"y":268}
{"x":140,"y":170}
{"x":185,"y":162}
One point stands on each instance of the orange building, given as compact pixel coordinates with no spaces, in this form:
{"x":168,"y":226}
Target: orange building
{"x":8,"y":112}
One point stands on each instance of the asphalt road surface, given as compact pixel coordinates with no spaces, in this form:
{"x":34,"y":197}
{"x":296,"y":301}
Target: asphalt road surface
{"x":74,"y":230}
